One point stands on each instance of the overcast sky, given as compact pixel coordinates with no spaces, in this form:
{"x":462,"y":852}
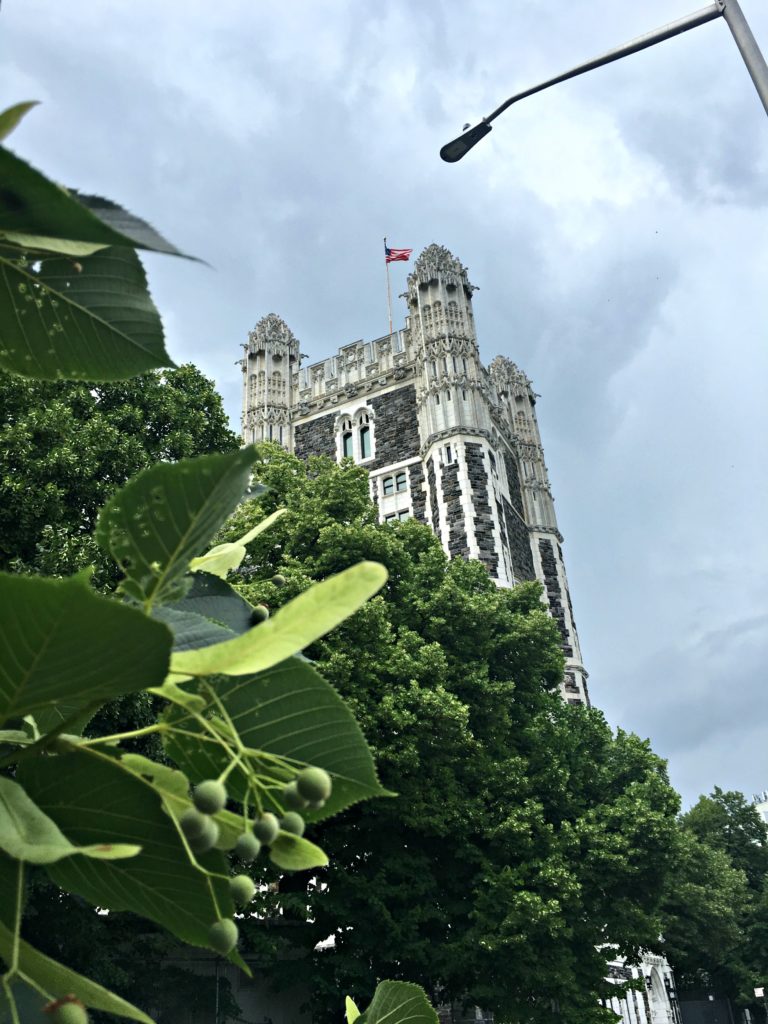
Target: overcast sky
{"x":615,"y":225}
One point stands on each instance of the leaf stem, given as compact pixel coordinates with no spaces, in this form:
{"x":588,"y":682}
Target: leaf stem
{"x":131,"y":734}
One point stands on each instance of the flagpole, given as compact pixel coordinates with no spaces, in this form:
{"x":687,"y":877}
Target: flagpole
{"x":389,"y":287}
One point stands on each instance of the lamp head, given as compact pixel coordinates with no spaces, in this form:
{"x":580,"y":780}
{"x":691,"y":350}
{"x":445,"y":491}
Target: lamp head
{"x":455,"y":150}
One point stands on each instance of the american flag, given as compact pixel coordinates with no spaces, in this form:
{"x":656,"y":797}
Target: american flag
{"x":393,"y":255}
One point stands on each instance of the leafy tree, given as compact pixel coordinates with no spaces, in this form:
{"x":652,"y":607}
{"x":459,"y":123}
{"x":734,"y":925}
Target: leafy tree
{"x":727,"y":821}
{"x":65,"y":448}
{"x":715,"y":908}
{"x":526,"y":837}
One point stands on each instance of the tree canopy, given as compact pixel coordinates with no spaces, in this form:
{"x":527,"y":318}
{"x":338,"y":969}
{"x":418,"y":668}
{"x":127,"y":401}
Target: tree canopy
{"x":527,"y":845}
{"x":66,"y":447}
{"x":716,"y":908}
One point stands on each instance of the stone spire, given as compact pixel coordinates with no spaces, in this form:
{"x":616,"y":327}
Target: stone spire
{"x":436,"y":262}
{"x":271,"y":354}
{"x":273,"y":334}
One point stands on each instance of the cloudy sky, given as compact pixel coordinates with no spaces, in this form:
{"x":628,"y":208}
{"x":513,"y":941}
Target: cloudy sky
{"x":616,"y":227}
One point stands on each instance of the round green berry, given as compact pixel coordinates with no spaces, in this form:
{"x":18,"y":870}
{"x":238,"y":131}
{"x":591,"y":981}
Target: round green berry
{"x":259,"y":614}
{"x":278,"y":579}
{"x":193,"y":823}
{"x":205,"y":842}
{"x":293,"y":823}
{"x":210,"y":796}
{"x":243,"y":889}
{"x":314,"y":784}
{"x":222,"y":936}
{"x":266,"y":828}
{"x":68,"y":1010}
{"x":247,"y":846}
{"x":315,"y":805}
{"x":292,"y":798}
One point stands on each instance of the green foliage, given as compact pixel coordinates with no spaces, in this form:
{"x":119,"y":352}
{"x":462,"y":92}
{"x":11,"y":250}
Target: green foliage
{"x":717,"y":898}
{"x":396,"y":1001}
{"x":75,"y":304}
{"x":65,"y":448}
{"x":526,"y":835}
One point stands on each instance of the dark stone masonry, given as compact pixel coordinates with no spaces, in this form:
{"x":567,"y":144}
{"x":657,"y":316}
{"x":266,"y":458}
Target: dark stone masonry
{"x":396,"y":426}
{"x":315,"y":438}
{"x":517,"y":530}
{"x":478,"y":478}
{"x":434,"y":508}
{"x":553,"y":590}
{"x":418,"y":495}
{"x":457,"y":535}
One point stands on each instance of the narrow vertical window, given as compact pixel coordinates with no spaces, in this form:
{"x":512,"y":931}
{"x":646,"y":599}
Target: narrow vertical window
{"x":281,"y":435}
{"x":437,"y":399}
{"x":448,"y":453}
{"x":449,"y":396}
{"x":464,"y":361}
{"x":454,"y":363}
{"x":348,"y":447}
{"x":365,"y":442}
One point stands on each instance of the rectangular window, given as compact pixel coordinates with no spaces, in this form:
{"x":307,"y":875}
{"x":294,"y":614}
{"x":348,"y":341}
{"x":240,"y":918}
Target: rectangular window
{"x":270,"y":431}
{"x":448,"y":453}
{"x":449,"y":396}
{"x":388,"y":485}
{"x":348,"y":448}
{"x":437,"y":399}
{"x":365,"y":442}
{"x":391,"y":517}
{"x":404,"y":514}
{"x":401,"y":482}
{"x":464,"y":395}
{"x":281,"y":435}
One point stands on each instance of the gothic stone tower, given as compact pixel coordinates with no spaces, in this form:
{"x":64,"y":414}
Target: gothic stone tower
{"x":443,"y":438}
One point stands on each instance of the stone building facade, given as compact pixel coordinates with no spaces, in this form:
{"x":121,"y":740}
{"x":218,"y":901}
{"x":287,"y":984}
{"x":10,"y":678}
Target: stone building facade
{"x":445,"y":439}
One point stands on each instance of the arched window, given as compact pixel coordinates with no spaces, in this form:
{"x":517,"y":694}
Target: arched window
{"x":364,"y":424}
{"x":347,"y":440}
{"x":365,"y":442}
{"x":401,"y":481}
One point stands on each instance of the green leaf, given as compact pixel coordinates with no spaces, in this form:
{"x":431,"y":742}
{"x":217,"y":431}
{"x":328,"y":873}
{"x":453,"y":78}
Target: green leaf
{"x":34,"y":205}
{"x":10,"y":118}
{"x":351,"y":1010}
{"x":217,"y":600}
{"x":399,"y":1002}
{"x":295,"y":853}
{"x":90,"y":795}
{"x":61,"y":642}
{"x":290,"y":711}
{"x":297,"y":624}
{"x":191,"y":631}
{"x":28,"y":834}
{"x":42,"y":245}
{"x":225,"y":557}
{"x":165,"y":515}
{"x":89,"y":320}
{"x":59,"y":980}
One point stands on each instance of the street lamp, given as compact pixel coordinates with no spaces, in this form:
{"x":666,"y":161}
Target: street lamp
{"x":728,"y":9}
